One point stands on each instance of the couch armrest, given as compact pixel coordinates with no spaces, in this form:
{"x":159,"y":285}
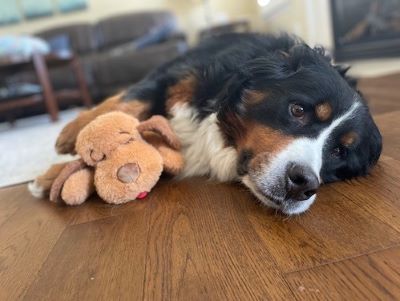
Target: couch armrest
{"x":178,"y":36}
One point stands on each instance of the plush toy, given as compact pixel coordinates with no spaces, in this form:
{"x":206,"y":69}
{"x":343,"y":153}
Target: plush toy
{"x":121,"y":159}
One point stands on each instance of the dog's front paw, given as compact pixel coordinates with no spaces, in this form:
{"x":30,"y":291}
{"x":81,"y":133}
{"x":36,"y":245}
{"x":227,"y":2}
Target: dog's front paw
{"x":65,"y":143}
{"x":36,"y":189}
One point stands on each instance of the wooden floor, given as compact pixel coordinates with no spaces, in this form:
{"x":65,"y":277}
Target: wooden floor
{"x":198,"y":240}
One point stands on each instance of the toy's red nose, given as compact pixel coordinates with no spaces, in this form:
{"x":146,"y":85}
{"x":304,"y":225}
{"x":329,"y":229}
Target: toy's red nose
{"x":142,"y":195}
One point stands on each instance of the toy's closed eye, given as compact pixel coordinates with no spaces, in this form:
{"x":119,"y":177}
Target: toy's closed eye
{"x":126,"y":137}
{"x":96,"y":156}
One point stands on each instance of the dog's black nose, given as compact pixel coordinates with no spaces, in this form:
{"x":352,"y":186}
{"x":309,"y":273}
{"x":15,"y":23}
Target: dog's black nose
{"x":302,"y":183}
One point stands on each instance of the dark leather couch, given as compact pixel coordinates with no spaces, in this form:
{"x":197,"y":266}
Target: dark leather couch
{"x":117,"y":51}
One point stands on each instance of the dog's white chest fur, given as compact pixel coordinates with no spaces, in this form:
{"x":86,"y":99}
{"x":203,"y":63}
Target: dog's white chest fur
{"x":203,"y":145}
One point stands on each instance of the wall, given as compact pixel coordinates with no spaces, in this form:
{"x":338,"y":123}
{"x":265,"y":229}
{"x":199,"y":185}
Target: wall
{"x":309,"y":19}
{"x":97,"y":9}
{"x":191,"y":13}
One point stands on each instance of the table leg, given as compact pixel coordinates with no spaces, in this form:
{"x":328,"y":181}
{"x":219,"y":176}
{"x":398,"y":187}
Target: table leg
{"x":44,"y":80}
{"x":80,"y":77}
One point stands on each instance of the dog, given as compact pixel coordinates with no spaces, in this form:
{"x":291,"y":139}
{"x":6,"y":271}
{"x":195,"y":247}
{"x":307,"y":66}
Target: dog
{"x":265,"y":110}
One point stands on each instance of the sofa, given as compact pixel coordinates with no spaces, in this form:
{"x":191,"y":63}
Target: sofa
{"x":116,"y":51}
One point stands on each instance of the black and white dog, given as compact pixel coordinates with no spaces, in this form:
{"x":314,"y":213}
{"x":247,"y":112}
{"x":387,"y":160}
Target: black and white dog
{"x":268,"y":111}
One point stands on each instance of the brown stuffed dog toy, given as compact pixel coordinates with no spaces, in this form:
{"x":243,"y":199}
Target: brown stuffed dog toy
{"x":121,"y":159}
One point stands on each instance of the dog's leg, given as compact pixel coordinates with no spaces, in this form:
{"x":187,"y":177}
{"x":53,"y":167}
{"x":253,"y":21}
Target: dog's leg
{"x":150,"y":94}
{"x":41,"y":186}
{"x":65,"y":143}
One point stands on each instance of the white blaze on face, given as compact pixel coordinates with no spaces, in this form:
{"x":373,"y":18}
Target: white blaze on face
{"x":206,"y":154}
{"x":302,"y":151}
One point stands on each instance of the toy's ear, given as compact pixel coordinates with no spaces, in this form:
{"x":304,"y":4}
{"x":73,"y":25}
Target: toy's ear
{"x":160,"y":125}
{"x":66,"y":172}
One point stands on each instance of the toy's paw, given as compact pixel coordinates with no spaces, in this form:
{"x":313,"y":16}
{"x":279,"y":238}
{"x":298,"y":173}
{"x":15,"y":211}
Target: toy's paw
{"x":78,"y":187}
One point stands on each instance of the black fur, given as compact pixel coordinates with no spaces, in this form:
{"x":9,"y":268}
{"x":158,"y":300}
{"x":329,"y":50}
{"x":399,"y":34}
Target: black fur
{"x":290,"y":72}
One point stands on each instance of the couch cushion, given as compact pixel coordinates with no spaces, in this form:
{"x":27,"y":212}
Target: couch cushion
{"x":21,"y":47}
{"x":131,"y":66}
{"x":60,"y":43}
{"x":125,"y":28}
{"x":156,"y":36}
{"x":81,"y":36}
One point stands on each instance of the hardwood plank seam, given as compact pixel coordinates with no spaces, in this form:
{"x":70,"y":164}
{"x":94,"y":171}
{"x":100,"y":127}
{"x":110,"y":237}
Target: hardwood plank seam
{"x":97,"y":219}
{"x":146,"y":252}
{"x":42,"y":264}
{"x":273,"y":259}
{"x":366,"y":211}
{"x":284,"y":275}
{"x":341,"y":260}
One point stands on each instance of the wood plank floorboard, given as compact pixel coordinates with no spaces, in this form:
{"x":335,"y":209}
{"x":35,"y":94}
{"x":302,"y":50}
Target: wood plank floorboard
{"x":368,"y":277}
{"x":200,"y":240}
{"x":389,"y":124}
{"x":165,"y":250}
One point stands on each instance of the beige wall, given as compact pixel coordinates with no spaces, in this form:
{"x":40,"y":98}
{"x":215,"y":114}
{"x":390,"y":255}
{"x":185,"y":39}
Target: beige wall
{"x":190,"y":13}
{"x":309,"y":19}
{"x":97,"y":9}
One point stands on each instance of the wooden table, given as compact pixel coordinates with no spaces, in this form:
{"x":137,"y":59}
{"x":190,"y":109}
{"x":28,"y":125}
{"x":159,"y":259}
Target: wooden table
{"x":199,"y":240}
{"x":40,"y":65}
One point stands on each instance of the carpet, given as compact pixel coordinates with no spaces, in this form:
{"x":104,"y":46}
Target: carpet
{"x":27,"y":147}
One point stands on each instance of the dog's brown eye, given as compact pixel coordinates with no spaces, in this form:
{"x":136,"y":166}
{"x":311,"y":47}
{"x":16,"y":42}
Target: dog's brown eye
{"x":339,"y":152}
{"x":336,"y":152}
{"x":297,"y":110}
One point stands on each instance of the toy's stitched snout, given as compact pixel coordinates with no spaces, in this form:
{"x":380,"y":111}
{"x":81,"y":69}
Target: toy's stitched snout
{"x":128,"y":173}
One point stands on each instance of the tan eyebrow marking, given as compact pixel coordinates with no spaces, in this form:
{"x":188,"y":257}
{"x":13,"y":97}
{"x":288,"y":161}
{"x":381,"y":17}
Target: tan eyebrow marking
{"x":348,"y":138}
{"x":323,"y":111}
{"x":253,"y":97}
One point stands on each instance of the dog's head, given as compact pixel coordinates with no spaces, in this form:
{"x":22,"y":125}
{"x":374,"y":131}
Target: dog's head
{"x":297,"y":121}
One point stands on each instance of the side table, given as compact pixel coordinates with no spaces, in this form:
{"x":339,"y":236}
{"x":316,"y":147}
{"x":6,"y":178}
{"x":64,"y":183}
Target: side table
{"x":41,"y":65}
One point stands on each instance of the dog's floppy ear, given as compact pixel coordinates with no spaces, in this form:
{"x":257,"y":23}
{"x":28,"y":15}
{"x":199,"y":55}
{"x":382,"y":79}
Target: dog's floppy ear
{"x":160,"y":125}
{"x":342,"y":69}
{"x":269,"y":68}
